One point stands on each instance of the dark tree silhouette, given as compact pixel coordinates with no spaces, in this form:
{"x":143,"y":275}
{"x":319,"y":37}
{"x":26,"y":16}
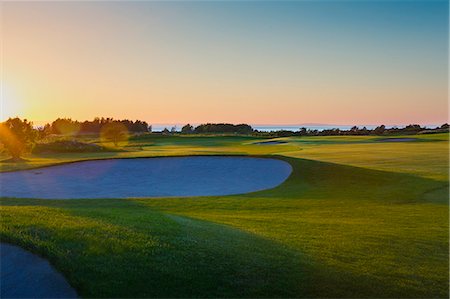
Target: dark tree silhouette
{"x":379,"y":130}
{"x":224,"y":128}
{"x":187,"y":129}
{"x":65,"y":126}
{"x":68,"y":126}
{"x":165,"y":131}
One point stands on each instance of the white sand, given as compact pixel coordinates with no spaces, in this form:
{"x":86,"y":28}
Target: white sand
{"x":151,"y":177}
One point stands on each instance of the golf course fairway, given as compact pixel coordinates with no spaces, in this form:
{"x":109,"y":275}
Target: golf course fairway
{"x":356,"y":218}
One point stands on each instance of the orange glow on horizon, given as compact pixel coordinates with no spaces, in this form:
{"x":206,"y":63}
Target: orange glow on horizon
{"x":10,"y":104}
{"x":162,"y":67}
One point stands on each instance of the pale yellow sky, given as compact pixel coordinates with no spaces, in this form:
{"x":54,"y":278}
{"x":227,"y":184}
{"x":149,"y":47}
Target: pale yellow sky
{"x":288,"y":63}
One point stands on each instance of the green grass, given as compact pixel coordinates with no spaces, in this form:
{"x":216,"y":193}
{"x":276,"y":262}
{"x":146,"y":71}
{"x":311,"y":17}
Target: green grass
{"x":357,"y":218}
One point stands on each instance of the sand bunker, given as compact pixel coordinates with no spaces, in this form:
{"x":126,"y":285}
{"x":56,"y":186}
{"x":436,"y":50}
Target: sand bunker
{"x":271,"y":142}
{"x":25,"y":275}
{"x":151,"y":177}
{"x":397,"y":139}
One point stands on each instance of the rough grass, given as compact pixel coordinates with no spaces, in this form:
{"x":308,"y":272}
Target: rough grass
{"x":356,"y":218}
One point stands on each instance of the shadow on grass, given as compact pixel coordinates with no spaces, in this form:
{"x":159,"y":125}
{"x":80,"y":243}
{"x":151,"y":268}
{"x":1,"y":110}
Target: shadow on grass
{"x":14,"y":160}
{"x":120,"y":248}
{"x":123,"y":248}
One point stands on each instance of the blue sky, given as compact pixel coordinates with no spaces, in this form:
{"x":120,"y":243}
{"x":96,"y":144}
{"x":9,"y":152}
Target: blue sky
{"x":340,"y":62}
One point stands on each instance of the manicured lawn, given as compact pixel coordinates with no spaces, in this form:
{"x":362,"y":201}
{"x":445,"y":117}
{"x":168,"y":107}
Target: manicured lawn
{"x":357,"y":218}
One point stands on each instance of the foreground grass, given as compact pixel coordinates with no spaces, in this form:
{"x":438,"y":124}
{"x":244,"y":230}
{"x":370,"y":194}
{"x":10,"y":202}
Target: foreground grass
{"x":343,"y":225}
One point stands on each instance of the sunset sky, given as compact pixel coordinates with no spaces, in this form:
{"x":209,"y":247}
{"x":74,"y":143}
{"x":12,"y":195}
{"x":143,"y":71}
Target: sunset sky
{"x":293,"y":62}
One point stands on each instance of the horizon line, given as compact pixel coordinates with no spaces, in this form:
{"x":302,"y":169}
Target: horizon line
{"x":176,"y":124}
{"x":249,"y":123}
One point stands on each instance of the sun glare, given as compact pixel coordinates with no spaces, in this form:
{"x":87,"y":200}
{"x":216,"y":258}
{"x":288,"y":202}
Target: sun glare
{"x":10,"y":105}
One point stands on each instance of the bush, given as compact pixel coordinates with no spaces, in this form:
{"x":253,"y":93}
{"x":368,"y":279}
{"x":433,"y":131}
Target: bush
{"x":17,"y":136}
{"x":67,"y":146}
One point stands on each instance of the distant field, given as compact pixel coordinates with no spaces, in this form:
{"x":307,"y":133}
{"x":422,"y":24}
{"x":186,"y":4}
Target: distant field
{"x":358,"y":217}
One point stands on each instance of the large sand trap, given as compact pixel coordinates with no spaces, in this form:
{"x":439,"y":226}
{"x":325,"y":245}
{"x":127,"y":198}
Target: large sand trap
{"x":25,"y":275}
{"x":151,"y":177}
{"x":397,"y":139}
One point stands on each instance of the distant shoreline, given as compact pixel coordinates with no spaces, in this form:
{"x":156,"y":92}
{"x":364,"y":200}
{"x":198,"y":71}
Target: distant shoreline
{"x":274,"y":128}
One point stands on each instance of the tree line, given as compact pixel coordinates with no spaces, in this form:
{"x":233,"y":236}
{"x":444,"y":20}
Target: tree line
{"x":69,"y":126}
{"x":357,"y":131}
{"x":18,"y":136}
{"x":220,"y":128}
{"x":244,"y":129}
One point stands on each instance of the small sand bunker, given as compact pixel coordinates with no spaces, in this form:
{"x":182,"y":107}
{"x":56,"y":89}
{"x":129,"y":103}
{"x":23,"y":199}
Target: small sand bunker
{"x":270,"y":142}
{"x":397,"y":140}
{"x":147,"y":177}
{"x":26,"y":275}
